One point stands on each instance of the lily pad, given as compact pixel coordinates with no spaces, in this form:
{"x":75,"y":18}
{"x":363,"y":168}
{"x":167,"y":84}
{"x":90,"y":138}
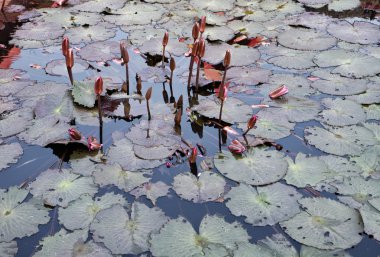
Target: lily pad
{"x":154,"y":47}
{"x":152,"y":191}
{"x":370,"y":96}
{"x":248,"y":75}
{"x":83,"y":162}
{"x":61,"y":187}
{"x":8,"y":249}
{"x":219,"y":33}
{"x":100,"y":51}
{"x":307,"y":251}
{"x":343,"y":5}
{"x":58,"y":67}
{"x":371,"y":219}
{"x":98,"y":6}
{"x":89,"y":34}
{"x":258,"y":167}
{"x":249,"y":29}
{"x":368,"y":162}
{"x":15,"y":122}
{"x":9,"y":154}
{"x":213,"y":5}
{"x":132,"y":231}
{"x":55,"y":106}
{"x":372,"y":111}
{"x":265,"y":205}
{"x":334,"y":225}
{"x":39,"y":32}
{"x":19,"y":219}
{"x":177,"y":238}
{"x":297,"y":85}
{"x":294,"y":59}
{"x":358,"y":32}
{"x":84,"y":94}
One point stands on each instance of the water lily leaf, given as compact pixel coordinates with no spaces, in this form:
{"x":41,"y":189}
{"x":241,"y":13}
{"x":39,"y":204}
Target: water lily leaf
{"x":341,"y":112}
{"x":55,"y":106}
{"x":343,"y":5}
{"x":68,"y":19}
{"x":58,"y":67}
{"x":61,"y":187}
{"x":88,"y":117}
{"x":234,"y":110}
{"x":307,"y":251}
{"x":154,"y":47}
{"x":351,"y":140}
{"x":84,"y":94}
{"x":177,"y":238}
{"x":282,"y":6}
{"x":9,"y":154}
{"x":19,"y":219}
{"x":297,"y":85}
{"x":261,"y":16}
{"x":207,"y":187}
{"x":13,"y":87}
{"x":213,"y":5}
{"x":312,"y":20}
{"x":375,"y":202}
{"x":265,"y":205}
{"x":248,"y":75}
{"x":349,"y":63}
{"x":368,"y":162}
{"x":8,"y":249}
{"x":136,"y":14}
{"x":100,"y":51}
{"x":270,"y":125}
{"x":154,"y":152}
{"x":371,"y":219}
{"x":157,"y":74}
{"x":371,"y":96}
{"x":89,"y":34}
{"x":358,"y":32}
{"x":221,"y":33}
{"x":152,"y":191}
{"x":315,"y":3}
{"x":334,"y":225}
{"x":122,"y":153}
{"x":335,"y":84}
{"x":372,"y":111}
{"x":15,"y":122}
{"x":294,"y":59}
{"x":82,"y":162}
{"x":7,"y":104}
{"x":306,"y":39}
{"x":258,"y":167}
{"x":99,"y":6}
{"x":39,"y":31}
{"x":115,"y":175}
{"x":132,"y":231}
{"x":139,"y":35}
{"x":339,"y":167}
{"x":45,"y":131}
{"x":249,"y":29}
{"x":40,"y":90}
{"x":9,"y":75}
{"x":81,"y":212}
{"x":306,"y":171}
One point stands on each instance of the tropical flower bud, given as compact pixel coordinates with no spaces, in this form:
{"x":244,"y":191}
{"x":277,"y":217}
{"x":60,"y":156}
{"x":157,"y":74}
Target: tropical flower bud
{"x":236,"y":147}
{"x":193,"y":155}
{"x":180,"y":102}
{"x":194,"y":50}
{"x":98,"y":86}
{"x":172,"y":64}
{"x":278,"y":92}
{"x":165,"y":40}
{"x":195,"y":31}
{"x":251,"y":122}
{"x":178,"y":117}
{"x":124,"y":54}
{"x":75,"y":134}
{"x":202,"y":25}
{"x":65,"y":46}
{"x":148,"y":94}
{"x":93,"y":144}
{"x":70,"y":58}
{"x":139,"y":85}
{"x":223,"y":92}
{"x":201,"y":48}
{"x":227,"y":59}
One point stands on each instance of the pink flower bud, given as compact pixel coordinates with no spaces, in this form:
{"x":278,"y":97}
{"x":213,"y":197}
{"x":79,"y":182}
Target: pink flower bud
{"x":236,"y":147}
{"x":70,"y":58}
{"x":165,"y":40}
{"x":98,"y":86}
{"x":278,"y":92}
{"x":251,"y":122}
{"x":65,"y":46}
{"x":75,"y":134}
{"x":193,"y":155}
{"x":195,"y":32}
{"x":93,"y":144}
{"x":202,"y":25}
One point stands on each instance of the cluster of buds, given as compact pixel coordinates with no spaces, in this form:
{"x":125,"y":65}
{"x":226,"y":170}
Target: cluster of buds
{"x":69,"y":57}
{"x":92,"y":142}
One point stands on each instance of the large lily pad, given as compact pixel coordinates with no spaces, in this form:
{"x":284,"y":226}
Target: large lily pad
{"x":154,"y":47}
{"x":39,"y":32}
{"x":100,"y":51}
{"x":248,"y":75}
{"x":177,"y":238}
{"x":15,"y":122}
{"x":98,"y":6}
{"x":8,"y":249}
{"x":55,"y":106}
{"x":307,"y":251}
{"x":19,"y":219}
{"x":371,"y":219}
{"x":294,"y":59}
{"x":370,"y":96}
{"x":132,"y":231}
{"x":61,"y":187}
{"x":325,"y":224}
{"x":152,"y":191}
{"x":358,"y":32}
{"x":263,"y":205}
{"x":258,"y":167}
{"x":368,"y":162}
{"x":9,"y":154}
{"x":89,"y":34}
{"x":58,"y":67}
{"x":213,"y":5}
{"x":84,"y":94}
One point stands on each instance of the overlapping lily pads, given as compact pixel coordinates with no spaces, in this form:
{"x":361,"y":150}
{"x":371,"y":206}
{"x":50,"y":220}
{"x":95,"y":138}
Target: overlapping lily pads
{"x":152,"y":191}
{"x":9,"y":154}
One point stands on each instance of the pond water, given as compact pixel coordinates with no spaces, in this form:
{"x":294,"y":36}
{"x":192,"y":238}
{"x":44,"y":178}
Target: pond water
{"x":310,"y":188}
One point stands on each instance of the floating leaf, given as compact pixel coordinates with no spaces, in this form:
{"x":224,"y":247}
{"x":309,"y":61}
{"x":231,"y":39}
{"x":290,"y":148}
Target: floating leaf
{"x":154,"y":152}
{"x":368,"y":162}
{"x":343,"y":5}
{"x":219,"y":33}
{"x":39,"y":31}
{"x":84,"y":94}
{"x":250,"y":29}
{"x":297,"y":85}
{"x":294,"y":59}
{"x":358,"y":32}
{"x":307,"y":251}
{"x":177,"y":238}
{"x":98,"y":6}
{"x":259,"y":167}
{"x":9,"y":154}
{"x":157,"y":74}
{"x":371,"y":219}
{"x":81,"y":212}
{"x":207,"y":187}
{"x":248,"y":75}
{"x":55,"y":106}
{"x":265,"y":205}
{"x":371,"y":96}
{"x":100,"y":51}
{"x":152,"y":191}
{"x":61,"y":187}
{"x":19,"y":219}
{"x":8,"y":249}
{"x":372,"y":111}
{"x":132,"y":231}
{"x":213,"y":5}
{"x":115,"y":175}
{"x":58,"y":67}
{"x":13,"y":87}
{"x":339,"y":167}
{"x":15,"y":122}
{"x":82,"y":162}
{"x":333,"y":225}
{"x":89,"y":34}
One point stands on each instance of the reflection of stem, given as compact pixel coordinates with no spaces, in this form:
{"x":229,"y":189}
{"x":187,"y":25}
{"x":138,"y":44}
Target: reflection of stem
{"x":194,"y":169}
{"x":101,"y":136}
{"x":163,"y":56}
{"x":197,"y":78}
{"x":147,"y":133}
{"x":220,"y":140}
{"x":190,"y":72}
{"x":127,"y":77}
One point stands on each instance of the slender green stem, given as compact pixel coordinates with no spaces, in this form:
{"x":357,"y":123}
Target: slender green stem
{"x":163,"y":56}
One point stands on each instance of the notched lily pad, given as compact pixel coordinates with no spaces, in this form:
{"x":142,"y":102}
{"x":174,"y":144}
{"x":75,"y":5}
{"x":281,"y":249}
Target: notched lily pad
{"x":152,"y":191}
{"x":9,"y":154}
{"x":100,"y":51}
{"x":58,"y":67}
{"x":84,"y":93}
{"x":358,"y":32}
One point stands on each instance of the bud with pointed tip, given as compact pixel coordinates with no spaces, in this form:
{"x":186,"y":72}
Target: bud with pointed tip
{"x":138,"y":85}
{"x":178,"y":117}
{"x":278,"y":92}
{"x":236,"y":147}
{"x":201,"y":48}
{"x":93,"y":144}
{"x":180,"y":102}
{"x":252,"y":122}
{"x":148,"y":94}
{"x":227,"y":59}
{"x":65,"y":46}
{"x":122,"y":46}
{"x":172,"y":64}
{"x":202,"y":25}
{"x":223,"y":92}
{"x":124,"y":54}
{"x":75,"y":134}
{"x":98,"y":86}
{"x":194,"y":50}
{"x":193,"y":155}
{"x":70,"y":58}
{"x":165,"y":40}
{"x":195,"y":32}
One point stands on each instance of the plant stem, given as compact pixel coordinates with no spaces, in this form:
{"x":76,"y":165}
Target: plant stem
{"x":197,"y":78}
{"x":100,"y":110}
{"x":147,"y":106}
{"x":190,"y":71}
{"x":220,"y":112}
{"x":69,"y":70}
{"x":163,"y":56}
{"x":127,"y":77}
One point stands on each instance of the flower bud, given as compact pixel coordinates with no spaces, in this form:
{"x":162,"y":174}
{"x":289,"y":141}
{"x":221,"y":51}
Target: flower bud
{"x":172,"y":64}
{"x":138,"y":84}
{"x":202,"y":25}
{"x":178,"y":117}
{"x":227,"y":59}
{"x":278,"y":92}
{"x":124,"y":52}
{"x":165,"y":40}
{"x":93,"y":144}
{"x":195,"y":31}
{"x":193,"y":155}
{"x":70,"y":58}
{"x":75,"y":134}
{"x":98,"y":86}
{"x":194,"y":50}
{"x":148,"y":94}
{"x":236,"y":147}
{"x":180,"y":102}
{"x":252,"y":122}
{"x":201,"y":48}
{"x":65,"y":46}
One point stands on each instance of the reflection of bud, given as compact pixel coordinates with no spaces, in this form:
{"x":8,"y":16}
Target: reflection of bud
{"x":252,"y":121}
{"x":98,"y":86}
{"x":227,"y":59}
{"x":65,"y":46}
{"x":202,"y":26}
{"x":172,"y":64}
{"x":236,"y":147}
{"x":148,"y":94}
{"x":165,"y":40}
{"x":180,"y":102}
{"x":223,"y":92}
{"x":125,"y":55}
{"x":193,"y":155}
{"x":93,"y":144}
{"x":278,"y":92}
{"x":70,"y":58}
{"x":178,"y":117}
{"x":138,"y":85}
{"x":75,"y":134}
{"x":195,"y":32}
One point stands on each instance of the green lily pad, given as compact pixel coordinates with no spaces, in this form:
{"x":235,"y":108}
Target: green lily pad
{"x":84,"y":94}
{"x":100,"y":51}
{"x":358,"y":32}
{"x":297,"y":85}
{"x":177,"y":238}
{"x":15,"y":122}
{"x":89,"y":34}
{"x":19,"y":219}
{"x":343,"y":5}
{"x":247,"y":28}
{"x":58,"y":67}
{"x":83,"y":162}
{"x":207,"y":187}
{"x":372,"y":111}
{"x":154,"y":47}
{"x":248,"y":75}
{"x":258,"y":167}
{"x":39,"y":31}
{"x":265,"y":205}
{"x":368,"y":162}
{"x":98,"y":6}
{"x":370,"y":96}
{"x":307,"y":251}
{"x":371,"y":219}
{"x":61,"y":187}
{"x":333,"y":225}
{"x":55,"y":106}
{"x":213,"y":5}
{"x":339,"y":167}
{"x":132,"y":230}
{"x":81,"y":212}
{"x":8,"y":249}
{"x":152,"y":191}
{"x":9,"y":154}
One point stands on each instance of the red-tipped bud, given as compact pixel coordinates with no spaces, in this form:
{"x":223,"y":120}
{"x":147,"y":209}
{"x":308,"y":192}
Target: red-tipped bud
{"x":193,"y":155}
{"x":124,"y":52}
{"x":93,"y":144}
{"x":223,"y":92}
{"x":227,"y":59}
{"x":165,"y":40}
{"x":236,"y":147}
{"x":278,"y":92}
{"x":65,"y":46}
{"x":195,"y":31}
{"x":202,"y":25}
{"x":194,"y":50}
{"x":252,"y":122}
{"x":70,"y":58}
{"x":139,"y":85}
{"x":201,"y":48}
{"x":148,"y":94}
{"x":75,"y":134}
{"x":178,"y":117}
{"x":98,"y":86}
{"x":180,"y":102}
{"x":122,"y":46}
{"x":172,"y":64}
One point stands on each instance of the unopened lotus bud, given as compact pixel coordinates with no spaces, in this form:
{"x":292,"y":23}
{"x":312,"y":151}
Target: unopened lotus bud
{"x":223,"y":92}
{"x":201,"y":48}
{"x":193,"y":155}
{"x":122,"y":46}
{"x":195,"y":31}
{"x":178,"y":117}
{"x":93,"y":144}
{"x":165,"y":40}
{"x":75,"y":134}
{"x":125,"y":55}
{"x":98,"y":86}
{"x":172,"y":64}
{"x":236,"y":147}
{"x":70,"y":58}
{"x":195,"y":48}
{"x":139,"y":85}
{"x":180,"y":102}
{"x":148,"y":94}
{"x":278,"y":92}
{"x":252,"y":122}
{"x":202,"y":25}
{"x":65,"y":46}
{"x":227,"y":59}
